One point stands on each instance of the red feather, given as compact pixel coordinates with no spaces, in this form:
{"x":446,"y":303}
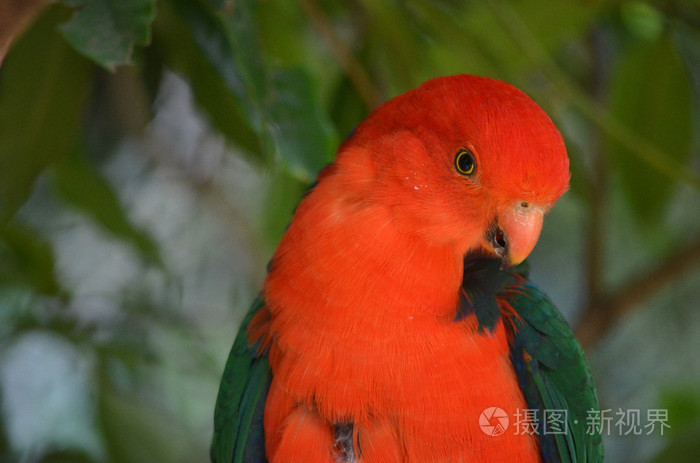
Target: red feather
{"x":363,"y":288}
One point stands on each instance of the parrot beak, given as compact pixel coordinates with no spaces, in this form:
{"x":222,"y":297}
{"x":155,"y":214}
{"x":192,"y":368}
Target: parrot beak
{"x":517,"y":230}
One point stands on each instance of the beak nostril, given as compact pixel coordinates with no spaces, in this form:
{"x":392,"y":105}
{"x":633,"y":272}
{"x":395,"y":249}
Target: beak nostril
{"x":499,"y":240}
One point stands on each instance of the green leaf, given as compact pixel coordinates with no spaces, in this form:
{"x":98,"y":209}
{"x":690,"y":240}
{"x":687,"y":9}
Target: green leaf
{"x":396,"y":42}
{"x":137,"y":431}
{"x":682,"y":446}
{"x":642,"y":19}
{"x":177,"y":48}
{"x":229,"y":41}
{"x":221,"y":4}
{"x":301,"y":132}
{"x":66,"y":456}
{"x":683,"y":405}
{"x":107,"y":30}
{"x":347,"y":107}
{"x":552,"y":22}
{"x":75,"y":3}
{"x":5,"y":453}
{"x":281,"y":105}
{"x":651,"y":95}
{"x":455,"y":51}
{"x":42,"y":97}
{"x":476,"y":37}
{"x":82,"y":186}
{"x":284,"y":33}
{"x":282,"y":198}
{"x":26,"y":260}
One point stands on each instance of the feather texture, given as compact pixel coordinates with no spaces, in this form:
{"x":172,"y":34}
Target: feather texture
{"x":382,"y":332}
{"x":548,"y":360}
{"x":549,"y":364}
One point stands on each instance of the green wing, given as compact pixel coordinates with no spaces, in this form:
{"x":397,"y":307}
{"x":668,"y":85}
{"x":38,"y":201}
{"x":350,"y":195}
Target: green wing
{"x":554,"y":376}
{"x":238,"y":416}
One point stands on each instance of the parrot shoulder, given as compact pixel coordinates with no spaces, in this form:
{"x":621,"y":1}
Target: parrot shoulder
{"x":553,"y":374}
{"x":549,"y":363}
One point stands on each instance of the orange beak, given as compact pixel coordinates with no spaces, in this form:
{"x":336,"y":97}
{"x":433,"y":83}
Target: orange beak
{"x":516,"y":233}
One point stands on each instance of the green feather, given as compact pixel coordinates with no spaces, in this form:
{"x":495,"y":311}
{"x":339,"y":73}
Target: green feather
{"x":240,"y":402}
{"x":549,"y":362}
{"x":553,"y":373}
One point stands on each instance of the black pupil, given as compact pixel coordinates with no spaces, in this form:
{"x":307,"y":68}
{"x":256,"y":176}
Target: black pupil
{"x":465,"y":162}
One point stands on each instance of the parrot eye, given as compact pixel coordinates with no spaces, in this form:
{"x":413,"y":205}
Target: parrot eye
{"x":464,"y":162}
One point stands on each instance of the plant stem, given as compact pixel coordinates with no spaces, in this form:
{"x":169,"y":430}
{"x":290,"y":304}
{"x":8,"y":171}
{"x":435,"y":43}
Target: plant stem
{"x":15,"y":16}
{"x":616,"y":304}
{"x":357,"y":74}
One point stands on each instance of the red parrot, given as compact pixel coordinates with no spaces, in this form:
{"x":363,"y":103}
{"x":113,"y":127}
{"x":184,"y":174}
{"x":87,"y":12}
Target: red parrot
{"x":394,"y":314}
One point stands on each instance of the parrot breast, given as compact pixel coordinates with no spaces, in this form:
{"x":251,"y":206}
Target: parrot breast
{"x":362,"y":327}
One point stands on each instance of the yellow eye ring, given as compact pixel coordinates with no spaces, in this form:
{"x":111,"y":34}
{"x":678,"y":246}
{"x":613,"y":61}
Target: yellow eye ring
{"x":465,"y":162}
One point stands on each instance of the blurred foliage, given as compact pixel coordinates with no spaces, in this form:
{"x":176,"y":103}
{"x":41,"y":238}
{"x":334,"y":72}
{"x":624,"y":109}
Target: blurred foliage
{"x":683,"y":404}
{"x":281,"y":83}
{"x":661,"y":111}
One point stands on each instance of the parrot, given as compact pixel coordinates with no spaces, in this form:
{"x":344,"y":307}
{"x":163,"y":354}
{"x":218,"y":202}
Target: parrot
{"x":396,"y":321}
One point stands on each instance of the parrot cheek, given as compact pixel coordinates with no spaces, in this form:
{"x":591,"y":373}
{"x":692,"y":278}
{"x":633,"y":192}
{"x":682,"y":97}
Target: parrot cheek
{"x":516,"y":233}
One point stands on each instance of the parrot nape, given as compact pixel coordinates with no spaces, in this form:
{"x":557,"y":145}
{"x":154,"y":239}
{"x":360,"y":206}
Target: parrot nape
{"x":395,"y":314}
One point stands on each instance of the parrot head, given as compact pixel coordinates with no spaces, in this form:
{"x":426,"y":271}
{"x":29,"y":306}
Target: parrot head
{"x":462,"y":160}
